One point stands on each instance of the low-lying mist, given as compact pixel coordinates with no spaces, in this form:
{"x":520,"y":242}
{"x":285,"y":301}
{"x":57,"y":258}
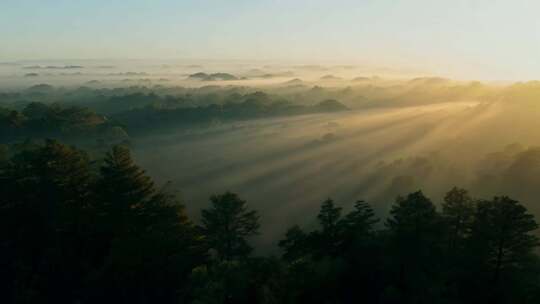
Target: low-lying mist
{"x":283,"y":152}
{"x":287,"y":166}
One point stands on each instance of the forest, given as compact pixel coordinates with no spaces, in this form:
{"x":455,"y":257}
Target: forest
{"x":269,"y":152}
{"x":43,"y":111}
{"x":292,"y":190}
{"x":78,"y":229}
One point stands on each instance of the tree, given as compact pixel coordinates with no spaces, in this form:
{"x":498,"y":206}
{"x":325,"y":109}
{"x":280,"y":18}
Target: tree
{"x":415,"y":233}
{"x":362,"y":251}
{"x":37,"y":110}
{"x":457,"y":211}
{"x":16,"y":119}
{"x":413,"y":217}
{"x":295,"y":244}
{"x":340,"y":255}
{"x":359,"y":223}
{"x":227,"y":224}
{"x":329,"y":239}
{"x":124,"y":191}
{"x":147,"y":238}
{"x":502,"y":231}
{"x":45,"y":221}
{"x":329,"y":216}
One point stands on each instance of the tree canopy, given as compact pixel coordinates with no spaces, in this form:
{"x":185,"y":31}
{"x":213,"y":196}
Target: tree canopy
{"x":78,"y":229}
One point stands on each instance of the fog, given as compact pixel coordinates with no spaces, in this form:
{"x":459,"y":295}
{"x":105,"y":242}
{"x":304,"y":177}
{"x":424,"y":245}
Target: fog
{"x":114,"y":73}
{"x":403,"y":132}
{"x":288,"y":166}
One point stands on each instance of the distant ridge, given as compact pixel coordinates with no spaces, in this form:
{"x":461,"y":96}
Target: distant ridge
{"x":212,"y":77}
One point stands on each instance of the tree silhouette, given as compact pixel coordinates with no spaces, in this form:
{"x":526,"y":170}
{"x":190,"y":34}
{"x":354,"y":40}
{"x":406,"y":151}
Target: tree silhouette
{"x":359,"y":223}
{"x":71,"y":232}
{"x":503,"y":228}
{"x":329,"y":216}
{"x":227,"y":224}
{"x":362,"y":252}
{"x":125,"y":191}
{"x":149,"y":235}
{"x":295,"y":244}
{"x":45,"y":214}
{"x":457,"y":211}
{"x":415,"y":233}
{"x":328,"y":239}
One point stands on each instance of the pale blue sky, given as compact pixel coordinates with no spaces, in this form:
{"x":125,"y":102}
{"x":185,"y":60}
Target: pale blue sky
{"x":484,"y":37}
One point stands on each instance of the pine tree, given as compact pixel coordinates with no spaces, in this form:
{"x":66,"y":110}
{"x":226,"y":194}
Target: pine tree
{"x":227,"y":224}
{"x":45,"y":222}
{"x":414,"y":220}
{"x":295,"y":244}
{"x":329,"y":239}
{"x":362,"y":251}
{"x":329,"y":216}
{"x":124,"y":188}
{"x":415,"y":232}
{"x":147,"y":237}
{"x":457,"y":212}
{"x":503,"y":229}
{"x":360,"y":221}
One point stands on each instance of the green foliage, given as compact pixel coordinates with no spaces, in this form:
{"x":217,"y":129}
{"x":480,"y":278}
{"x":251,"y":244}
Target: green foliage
{"x":39,"y":121}
{"x":250,"y":106}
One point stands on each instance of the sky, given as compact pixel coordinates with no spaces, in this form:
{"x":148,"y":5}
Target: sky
{"x":486,"y":39}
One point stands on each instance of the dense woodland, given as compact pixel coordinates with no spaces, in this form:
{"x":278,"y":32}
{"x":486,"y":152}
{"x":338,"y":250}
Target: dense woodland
{"x":114,"y":115}
{"x":39,"y":120}
{"x":269,"y":152}
{"x":76,"y":229}
{"x":90,"y":226}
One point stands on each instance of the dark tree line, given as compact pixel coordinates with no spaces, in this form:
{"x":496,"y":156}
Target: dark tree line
{"x":43,"y":111}
{"x":38,"y":120}
{"x":147,"y":119}
{"x":76,"y":230}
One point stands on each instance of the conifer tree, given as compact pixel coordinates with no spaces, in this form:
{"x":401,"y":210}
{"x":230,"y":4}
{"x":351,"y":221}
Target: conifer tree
{"x":227,"y":224}
{"x":45,"y":219}
{"x":457,"y":212}
{"x":329,"y":239}
{"x":148,"y":237}
{"x":415,"y":232}
{"x":503,"y":229}
{"x":360,"y":221}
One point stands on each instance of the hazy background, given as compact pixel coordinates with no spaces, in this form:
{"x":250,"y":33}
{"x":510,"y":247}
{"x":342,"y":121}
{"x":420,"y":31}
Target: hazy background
{"x":401,"y":132}
{"x":440,"y":94}
{"x":480,"y":39}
